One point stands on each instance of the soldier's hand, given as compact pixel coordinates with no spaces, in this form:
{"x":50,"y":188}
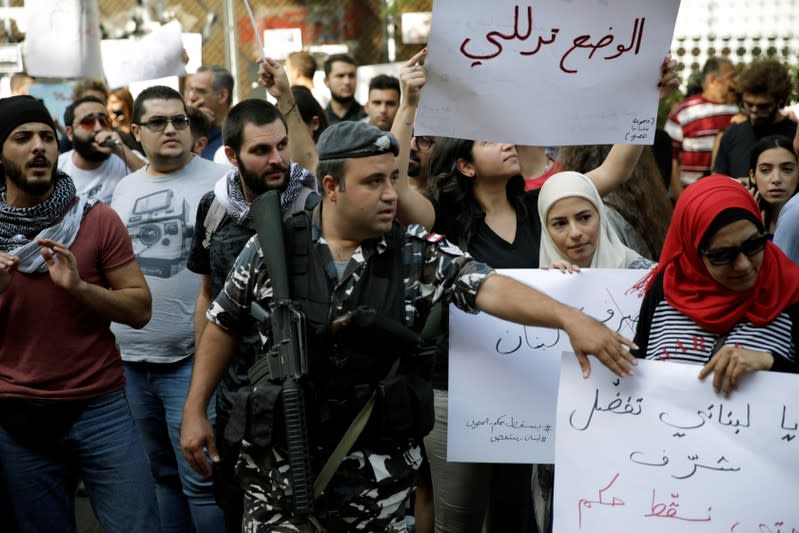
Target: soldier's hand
{"x":590,"y":337}
{"x":197,"y":436}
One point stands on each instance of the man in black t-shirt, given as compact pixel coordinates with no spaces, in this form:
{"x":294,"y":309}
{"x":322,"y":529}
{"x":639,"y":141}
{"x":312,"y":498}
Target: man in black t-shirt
{"x":764,"y":88}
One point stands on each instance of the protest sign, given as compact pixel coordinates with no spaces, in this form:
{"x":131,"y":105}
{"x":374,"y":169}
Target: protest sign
{"x":503,"y":377}
{"x":546,"y":72}
{"x":63,"y":39}
{"x":661,"y":452}
{"x":157,"y":55}
{"x":55,"y":96}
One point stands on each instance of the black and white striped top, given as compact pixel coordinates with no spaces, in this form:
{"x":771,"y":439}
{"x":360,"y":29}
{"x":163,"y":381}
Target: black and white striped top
{"x":665,"y":334}
{"x":674,"y":336}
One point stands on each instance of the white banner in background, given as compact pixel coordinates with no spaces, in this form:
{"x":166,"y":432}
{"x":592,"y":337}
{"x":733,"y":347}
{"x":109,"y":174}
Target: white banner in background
{"x":660,"y":452}
{"x":546,"y":72}
{"x":156,"y":55}
{"x":503,"y":377}
{"x":63,"y":39}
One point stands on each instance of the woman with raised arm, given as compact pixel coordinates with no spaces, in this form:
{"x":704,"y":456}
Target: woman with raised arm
{"x":477,"y":200}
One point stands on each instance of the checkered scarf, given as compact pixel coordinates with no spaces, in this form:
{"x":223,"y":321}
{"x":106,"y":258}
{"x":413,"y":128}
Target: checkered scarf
{"x":56,"y":218}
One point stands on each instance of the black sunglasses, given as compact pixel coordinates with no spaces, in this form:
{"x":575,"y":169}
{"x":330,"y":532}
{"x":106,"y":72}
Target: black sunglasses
{"x":156,"y":124}
{"x":728,"y":254}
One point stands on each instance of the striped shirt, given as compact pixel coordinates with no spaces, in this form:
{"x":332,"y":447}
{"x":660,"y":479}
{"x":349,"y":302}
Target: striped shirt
{"x":693,"y":125}
{"x":675,"y":337}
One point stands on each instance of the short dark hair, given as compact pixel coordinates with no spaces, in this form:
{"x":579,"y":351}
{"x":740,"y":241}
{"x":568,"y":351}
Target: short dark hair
{"x":89,"y":84}
{"x":69,"y":112}
{"x":766,"y":76}
{"x":222,"y":79}
{"x":156,"y":92}
{"x":251,"y":111}
{"x":336,"y":168}
{"x":198,"y":122}
{"x":304,"y":62}
{"x":384,"y":82}
{"x":713,"y":66}
{"x":309,"y":108}
{"x":338,"y":58}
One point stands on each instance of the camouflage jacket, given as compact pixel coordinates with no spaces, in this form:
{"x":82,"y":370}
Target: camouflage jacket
{"x":433,"y":269}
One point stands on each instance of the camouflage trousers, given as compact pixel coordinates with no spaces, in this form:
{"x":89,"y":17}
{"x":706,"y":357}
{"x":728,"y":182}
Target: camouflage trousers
{"x":367,"y":492}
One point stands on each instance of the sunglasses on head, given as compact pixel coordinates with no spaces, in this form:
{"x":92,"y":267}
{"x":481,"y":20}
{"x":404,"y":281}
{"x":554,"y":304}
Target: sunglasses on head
{"x":728,"y":254}
{"x":88,"y":122}
{"x":156,"y":124}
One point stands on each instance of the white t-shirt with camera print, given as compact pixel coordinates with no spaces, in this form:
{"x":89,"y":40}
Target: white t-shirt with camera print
{"x":160,"y":214}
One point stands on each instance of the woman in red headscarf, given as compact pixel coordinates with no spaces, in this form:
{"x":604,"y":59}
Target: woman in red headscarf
{"x":722,"y":295}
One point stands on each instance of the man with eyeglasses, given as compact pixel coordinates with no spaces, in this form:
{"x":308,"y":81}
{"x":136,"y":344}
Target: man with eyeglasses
{"x":157,"y":203}
{"x":695,"y":121}
{"x":210,"y":90}
{"x":764,"y":88}
{"x":99,"y":158}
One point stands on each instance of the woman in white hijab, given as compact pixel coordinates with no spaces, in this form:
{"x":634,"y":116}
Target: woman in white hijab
{"x":576,"y":232}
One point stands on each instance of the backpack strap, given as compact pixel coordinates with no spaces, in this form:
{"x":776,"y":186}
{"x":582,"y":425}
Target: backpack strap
{"x":213,"y":218}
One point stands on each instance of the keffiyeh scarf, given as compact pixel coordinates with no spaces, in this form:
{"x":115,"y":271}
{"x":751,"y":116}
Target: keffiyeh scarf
{"x":57,"y":218}
{"x":230,"y":194}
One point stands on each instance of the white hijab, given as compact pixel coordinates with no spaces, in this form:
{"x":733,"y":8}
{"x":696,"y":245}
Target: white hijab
{"x":610,"y":252}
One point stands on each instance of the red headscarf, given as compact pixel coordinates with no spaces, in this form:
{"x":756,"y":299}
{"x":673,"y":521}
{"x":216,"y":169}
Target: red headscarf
{"x":687,"y":284}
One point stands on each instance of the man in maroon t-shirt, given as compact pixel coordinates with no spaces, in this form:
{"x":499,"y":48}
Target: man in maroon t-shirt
{"x":67,"y":270}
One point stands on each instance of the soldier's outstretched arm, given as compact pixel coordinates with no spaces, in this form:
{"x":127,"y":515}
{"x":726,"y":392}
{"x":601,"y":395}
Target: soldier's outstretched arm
{"x":214,"y":354}
{"x":511,"y":300}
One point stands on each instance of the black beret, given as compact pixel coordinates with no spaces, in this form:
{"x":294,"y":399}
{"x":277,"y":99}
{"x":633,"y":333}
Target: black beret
{"x":349,"y":139}
{"x":18,"y":110}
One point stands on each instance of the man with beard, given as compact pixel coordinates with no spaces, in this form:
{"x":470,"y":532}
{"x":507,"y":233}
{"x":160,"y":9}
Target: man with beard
{"x":157,"y":204}
{"x":340,"y":79}
{"x":99,"y":158}
{"x":764,"y":88}
{"x":259,"y":137}
{"x":67,"y":270}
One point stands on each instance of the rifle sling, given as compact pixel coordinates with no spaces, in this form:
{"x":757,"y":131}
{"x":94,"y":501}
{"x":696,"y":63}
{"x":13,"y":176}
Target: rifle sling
{"x":347,"y":441}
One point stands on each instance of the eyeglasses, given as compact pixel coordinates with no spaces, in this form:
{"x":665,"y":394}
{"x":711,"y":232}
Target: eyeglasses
{"x":88,"y":122}
{"x":424,"y":143}
{"x":728,"y":254}
{"x":158,"y":124}
{"x":118,"y":112}
{"x":758,"y":108}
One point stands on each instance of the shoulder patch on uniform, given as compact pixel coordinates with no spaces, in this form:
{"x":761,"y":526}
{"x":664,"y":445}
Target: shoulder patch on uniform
{"x":434,"y":237}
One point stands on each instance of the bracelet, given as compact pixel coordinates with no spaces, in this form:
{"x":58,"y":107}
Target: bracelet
{"x":290,"y":109}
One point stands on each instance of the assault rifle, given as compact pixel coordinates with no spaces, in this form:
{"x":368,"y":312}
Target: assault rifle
{"x":286,"y":362}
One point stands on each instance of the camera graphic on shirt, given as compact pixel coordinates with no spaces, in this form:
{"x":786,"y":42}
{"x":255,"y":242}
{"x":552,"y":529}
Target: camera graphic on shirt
{"x":160,"y":232}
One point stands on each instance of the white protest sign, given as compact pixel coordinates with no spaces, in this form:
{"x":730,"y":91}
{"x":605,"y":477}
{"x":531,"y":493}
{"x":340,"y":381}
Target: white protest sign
{"x":503,"y":377}
{"x":157,"y":55}
{"x":661,"y":452}
{"x":546,"y":72}
{"x":63,"y":39}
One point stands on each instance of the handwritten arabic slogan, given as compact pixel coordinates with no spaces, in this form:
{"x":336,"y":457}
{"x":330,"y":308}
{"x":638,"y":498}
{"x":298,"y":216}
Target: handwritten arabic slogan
{"x":660,"y":452}
{"x":546,"y":72}
{"x":503,"y":377}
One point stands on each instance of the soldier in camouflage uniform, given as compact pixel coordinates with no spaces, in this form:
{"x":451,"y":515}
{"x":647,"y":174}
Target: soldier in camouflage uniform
{"x":351,"y":231}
